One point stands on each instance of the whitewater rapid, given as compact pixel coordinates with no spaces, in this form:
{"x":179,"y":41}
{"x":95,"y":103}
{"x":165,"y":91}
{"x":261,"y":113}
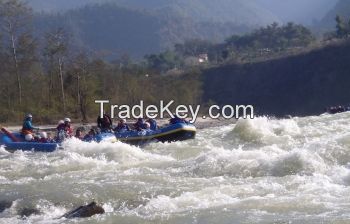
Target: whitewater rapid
{"x":255,"y":171}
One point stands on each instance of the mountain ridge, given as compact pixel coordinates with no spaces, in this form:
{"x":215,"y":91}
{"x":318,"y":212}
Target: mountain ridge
{"x":197,"y":10}
{"x":342,"y":8}
{"x":109,"y":27}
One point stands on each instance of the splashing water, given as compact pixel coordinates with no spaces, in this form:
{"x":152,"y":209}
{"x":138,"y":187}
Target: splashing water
{"x":255,"y":171}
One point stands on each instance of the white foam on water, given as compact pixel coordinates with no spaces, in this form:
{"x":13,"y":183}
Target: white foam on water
{"x":268,"y":160}
{"x":3,"y":151}
{"x":118,"y":152}
{"x":264,"y":167}
{"x":263,"y":130}
{"x":206,"y":198}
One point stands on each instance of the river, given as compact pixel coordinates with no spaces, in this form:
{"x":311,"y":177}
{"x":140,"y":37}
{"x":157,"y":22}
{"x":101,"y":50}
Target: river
{"x":255,"y":171}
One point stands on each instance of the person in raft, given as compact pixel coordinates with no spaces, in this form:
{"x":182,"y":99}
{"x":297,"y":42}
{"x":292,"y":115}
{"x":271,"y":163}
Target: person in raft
{"x":28,"y":127}
{"x":45,"y":138}
{"x":140,"y":124}
{"x":64,"y":129}
{"x":79,"y":134}
{"x":122,"y":126}
{"x":153,"y":124}
{"x":105,"y":123}
{"x":177,"y":120}
{"x":90,"y":136}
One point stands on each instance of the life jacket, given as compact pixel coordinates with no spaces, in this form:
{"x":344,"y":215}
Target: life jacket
{"x":27,"y":127}
{"x":153,"y":124}
{"x":43,"y":140}
{"x":26,"y":132}
{"x":139,"y":125}
{"x":177,"y":120}
{"x":61,"y":127}
{"x":66,"y":129}
{"x":89,"y":138}
{"x":122,"y":128}
{"x":106,"y":122}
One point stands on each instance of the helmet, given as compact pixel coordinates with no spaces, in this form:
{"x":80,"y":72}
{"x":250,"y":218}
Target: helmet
{"x":148,"y":125}
{"x":29,"y":137}
{"x":43,"y":135}
{"x":123,"y":120}
{"x":29,"y":116}
{"x":67,"y":120}
{"x":61,"y":122}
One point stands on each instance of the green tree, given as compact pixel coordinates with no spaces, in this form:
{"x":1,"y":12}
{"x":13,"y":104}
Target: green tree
{"x":273,"y":36}
{"x":15,"y":26}
{"x":342,"y":27}
{"x":193,"y":47}
{"x":163,"y":61}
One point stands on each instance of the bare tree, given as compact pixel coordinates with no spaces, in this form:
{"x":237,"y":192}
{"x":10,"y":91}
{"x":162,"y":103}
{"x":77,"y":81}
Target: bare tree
{"x":56,"y":49}
{"x":14,"y":23}
{"x":81,"y":63}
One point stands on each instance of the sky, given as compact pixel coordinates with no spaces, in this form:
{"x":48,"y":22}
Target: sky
{"x":300,"y":11}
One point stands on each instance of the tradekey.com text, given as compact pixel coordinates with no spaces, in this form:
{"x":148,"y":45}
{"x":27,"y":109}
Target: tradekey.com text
{"x":168,"y":109}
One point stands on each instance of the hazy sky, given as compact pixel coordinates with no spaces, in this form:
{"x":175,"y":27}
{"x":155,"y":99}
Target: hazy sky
{"x":302,"y":11}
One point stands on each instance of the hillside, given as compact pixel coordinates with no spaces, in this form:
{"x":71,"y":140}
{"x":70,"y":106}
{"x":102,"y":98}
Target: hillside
{"x":137,"y":27}
{"x":298,"y":11}
{"x":116,"y":31}
{"x":297,"y":85}
{"x":234,"y":11}
{"x":342,"y":8}
{"x":103,"y":29}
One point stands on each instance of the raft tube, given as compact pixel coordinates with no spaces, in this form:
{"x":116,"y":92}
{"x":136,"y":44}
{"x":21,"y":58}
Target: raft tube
{"x":23,"y":145}
{"x":171,"y":133}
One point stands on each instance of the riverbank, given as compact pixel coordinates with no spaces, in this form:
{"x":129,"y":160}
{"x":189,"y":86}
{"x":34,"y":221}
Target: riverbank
{"x":298,"y":85}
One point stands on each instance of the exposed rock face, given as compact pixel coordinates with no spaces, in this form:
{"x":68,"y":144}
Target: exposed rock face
{"x":85,"y":211}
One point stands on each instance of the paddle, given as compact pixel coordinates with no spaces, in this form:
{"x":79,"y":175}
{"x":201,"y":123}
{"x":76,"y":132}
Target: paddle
{"x":48,"y":129}
{"x":9,"y":134}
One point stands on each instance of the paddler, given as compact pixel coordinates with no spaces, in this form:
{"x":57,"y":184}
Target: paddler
{"x":105,"y":123}
{"x":28,"y":127}
{"x":177,"y":120}
{"x":122,"y":126}
{"x":64,"y":130}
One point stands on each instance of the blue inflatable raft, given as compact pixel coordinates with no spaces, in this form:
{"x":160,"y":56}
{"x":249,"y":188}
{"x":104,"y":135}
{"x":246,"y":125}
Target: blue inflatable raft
{"x":11,"y":145}
{"x":21,"y":144}
{"x":171,"y":133}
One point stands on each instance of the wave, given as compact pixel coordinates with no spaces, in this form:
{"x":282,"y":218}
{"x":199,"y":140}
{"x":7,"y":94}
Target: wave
{"x":263,"y":166}
{"x":263,"y":130}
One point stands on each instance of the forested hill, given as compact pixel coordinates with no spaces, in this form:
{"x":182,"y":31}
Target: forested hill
{"x":342,"y":8}
{"x":298,"y":11}
{"x":115,"y":30}
{"x":138,"y":27}
{"x":106,"y":29}
{"x":235,"y":11}
{"x":299,"y":85}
